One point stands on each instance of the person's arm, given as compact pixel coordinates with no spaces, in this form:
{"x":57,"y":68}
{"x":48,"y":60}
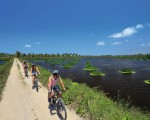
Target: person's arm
{"x":62,"y":84}
{"x":31,"y":70}
{"x":28,"y":65}
{"x":23,"y":64}
{"x":49,"y":84}
{"x":38,"y":70}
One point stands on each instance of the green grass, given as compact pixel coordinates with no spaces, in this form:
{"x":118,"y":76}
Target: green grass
{"x":94,"y":104}
{"x":126,"y":71}
{"x":4,"y":72}
{"x":147,"y":81}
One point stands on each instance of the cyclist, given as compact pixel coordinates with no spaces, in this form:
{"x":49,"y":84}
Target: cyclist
{"x":34,"y":71}
{"x":52,"y":84}
{"x":25,"y":65}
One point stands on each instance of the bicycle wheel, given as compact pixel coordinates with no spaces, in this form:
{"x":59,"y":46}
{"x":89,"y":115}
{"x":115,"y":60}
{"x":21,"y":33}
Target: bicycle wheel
{"x":61,"y":109}
{"x":26,"y":74}
{"x":37,"y":89}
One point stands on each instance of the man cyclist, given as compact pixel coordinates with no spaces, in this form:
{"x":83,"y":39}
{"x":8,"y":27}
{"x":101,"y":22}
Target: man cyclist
{"x":34,"y":71}
{"x":25,"y":65}
{"x":52,"y":84}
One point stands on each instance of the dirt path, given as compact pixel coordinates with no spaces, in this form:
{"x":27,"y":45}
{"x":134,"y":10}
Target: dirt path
{"x":20,"y":102}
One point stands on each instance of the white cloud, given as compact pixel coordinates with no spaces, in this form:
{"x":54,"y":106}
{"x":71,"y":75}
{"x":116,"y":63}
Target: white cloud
{"x":127,"y":31}
{"x":116,"y":43}
{"x":37,"y":43}
{"x":100,"y":43}
{"x":28,"y":46}
{"x":139,"y":26}
{"x":145,"y":45}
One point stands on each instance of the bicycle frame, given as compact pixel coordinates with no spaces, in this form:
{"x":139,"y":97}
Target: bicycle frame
{"x":35,"y":84}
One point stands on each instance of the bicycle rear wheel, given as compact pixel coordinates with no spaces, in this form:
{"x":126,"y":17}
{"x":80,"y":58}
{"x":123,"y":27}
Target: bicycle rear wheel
{"x":26,"y":73}
{"x":37,"y":88}
{"x":61,"y":109}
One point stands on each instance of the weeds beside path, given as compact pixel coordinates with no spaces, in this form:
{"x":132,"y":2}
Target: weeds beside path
{"x":4,"y":73}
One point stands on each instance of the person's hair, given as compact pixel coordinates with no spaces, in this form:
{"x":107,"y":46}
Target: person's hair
{"x":55,"y":73}
{"x":33,"y":66}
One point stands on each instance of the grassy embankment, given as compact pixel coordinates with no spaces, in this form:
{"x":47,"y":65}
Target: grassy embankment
{"x":94,"y":71}
{"x":94,"y":104}
{"x":4,"y":72}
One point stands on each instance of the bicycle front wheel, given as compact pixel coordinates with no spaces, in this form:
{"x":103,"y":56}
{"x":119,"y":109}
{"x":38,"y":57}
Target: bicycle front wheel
{"x":61,"y":109}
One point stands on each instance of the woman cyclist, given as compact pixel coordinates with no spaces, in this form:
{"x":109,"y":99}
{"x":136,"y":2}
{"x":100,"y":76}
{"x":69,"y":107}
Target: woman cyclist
{"x":25,"y":65}
{"x":52,"y":84}
{"x":34,"y":71}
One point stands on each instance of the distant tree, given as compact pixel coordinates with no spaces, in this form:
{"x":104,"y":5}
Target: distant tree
{"x":18,"y":54}
{"x":24,"y":55}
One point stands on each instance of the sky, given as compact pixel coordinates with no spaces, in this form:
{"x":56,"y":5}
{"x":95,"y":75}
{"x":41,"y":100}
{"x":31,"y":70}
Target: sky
{"x":85,"y":27}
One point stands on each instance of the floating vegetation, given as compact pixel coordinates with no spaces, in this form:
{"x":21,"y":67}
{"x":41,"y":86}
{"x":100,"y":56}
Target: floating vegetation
{"x":147,"y":81}
{"x":55,"y":61}
{"x":64,"y":62}
{"x":97,"y":73}
{"x":67,"y":66}
{"x":89,"y":67}
{"x":94,"y":71}
{"x":70,"y":63}
{"x":126,"y":71}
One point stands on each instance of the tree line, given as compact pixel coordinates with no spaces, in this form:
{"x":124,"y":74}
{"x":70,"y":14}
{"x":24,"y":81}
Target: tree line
{"x":40,"y":56}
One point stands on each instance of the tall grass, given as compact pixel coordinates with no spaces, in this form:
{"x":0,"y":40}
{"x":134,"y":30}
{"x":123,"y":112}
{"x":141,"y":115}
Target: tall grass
{"x":4,"y":72}
{"x":93,"y":104}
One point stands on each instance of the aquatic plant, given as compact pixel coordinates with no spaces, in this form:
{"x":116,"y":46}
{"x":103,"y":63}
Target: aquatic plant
{"x":97,"y":73}
{"x":126,"y":71}
{"x":93,"y":70}
{"x":147,"y":81}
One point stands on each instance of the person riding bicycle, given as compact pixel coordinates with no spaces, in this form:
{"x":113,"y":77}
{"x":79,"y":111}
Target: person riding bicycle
{"x":52,"y":84}
{"x":25,"y":65}
{"x":34,"y":71}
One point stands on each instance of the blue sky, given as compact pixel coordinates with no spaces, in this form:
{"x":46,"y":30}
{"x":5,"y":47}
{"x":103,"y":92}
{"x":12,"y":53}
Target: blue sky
{"x":86,"y":27}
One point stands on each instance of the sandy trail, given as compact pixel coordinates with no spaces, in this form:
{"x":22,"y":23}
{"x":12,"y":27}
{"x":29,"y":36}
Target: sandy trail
{"x":20,"y":102}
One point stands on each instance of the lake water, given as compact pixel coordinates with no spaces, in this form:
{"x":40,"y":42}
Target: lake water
{"x":1,"y":62}
{"x":127,"y":86}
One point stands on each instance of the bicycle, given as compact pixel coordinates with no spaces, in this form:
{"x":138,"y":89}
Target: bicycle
{"x":59,"y":104}
{"x":26,"y":72}
{"x":35,"y":84}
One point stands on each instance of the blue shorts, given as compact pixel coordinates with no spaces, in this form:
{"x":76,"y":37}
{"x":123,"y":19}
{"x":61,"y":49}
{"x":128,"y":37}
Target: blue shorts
{"x":34,"y":73}
{"x":55,"y":88}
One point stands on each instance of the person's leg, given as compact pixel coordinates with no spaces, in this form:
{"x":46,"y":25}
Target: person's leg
{"x":33,"y":78}
{"x":57,"y":89}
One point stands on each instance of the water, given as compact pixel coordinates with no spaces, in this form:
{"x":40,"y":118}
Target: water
{"x":129,"y":87}
{"x":1,"y":62}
